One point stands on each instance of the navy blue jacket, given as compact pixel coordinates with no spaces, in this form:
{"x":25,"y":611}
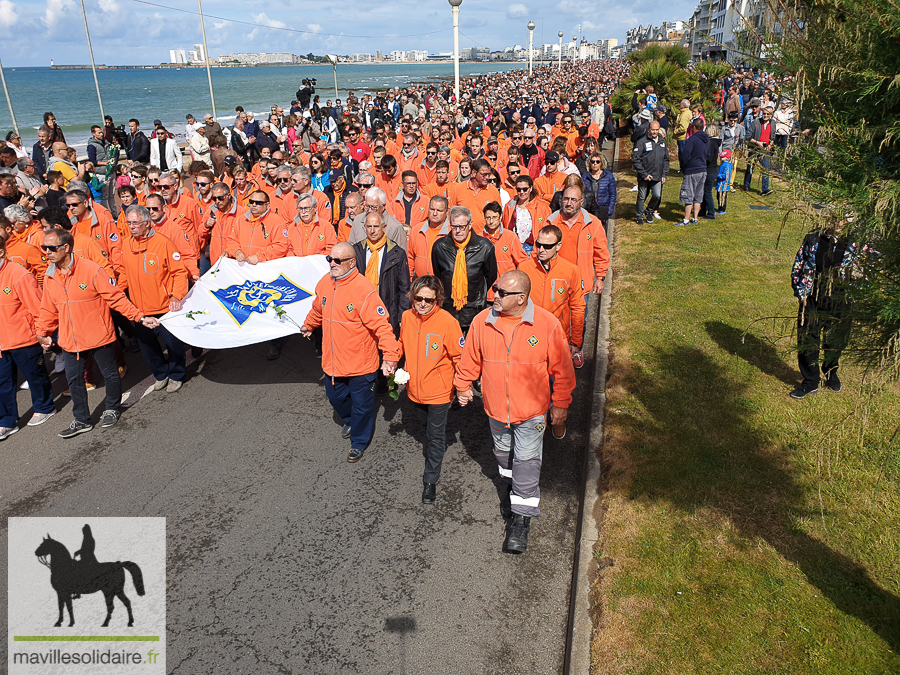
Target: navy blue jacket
{"x":695,"y":153}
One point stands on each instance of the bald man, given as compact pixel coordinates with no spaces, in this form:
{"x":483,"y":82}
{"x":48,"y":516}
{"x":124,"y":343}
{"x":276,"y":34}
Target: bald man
{"x":516,"y":346}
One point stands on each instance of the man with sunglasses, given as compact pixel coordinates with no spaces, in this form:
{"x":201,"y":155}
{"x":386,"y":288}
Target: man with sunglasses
{"x":427,"y":168}
{"x":301,"y":183}
{"x":181,"y":209}
{"x":584,"y":241}
{"x":410,"y":206}
{"x":78,"y":295}
{"x":516,"y":347}
{"x":359,"y":149}
{"x":219,"y":223}
{"x":355,"y":328}
{"x":507,"y":247}
{"x":97,"y":225}
{"x":760,"y":141}
{"x":531,"y":156}
{"x":260,"y":234}
{"x":174,"y":232}
{"x":475,"y":193}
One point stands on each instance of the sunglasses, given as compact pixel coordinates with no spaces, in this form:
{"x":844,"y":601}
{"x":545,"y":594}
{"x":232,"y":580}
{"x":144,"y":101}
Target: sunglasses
{"x":427,"y":301}
{"x":71,"y":206}
{"x":52,"y":249}
{"x":284,"y":180}
{"x":336,"y":261}
{"x":523,"y":189}
{"x":153,"y":182}
{"x":257,"y":202}
{"x":502,"y":293}
{"x":596,"y":161}
{"x":545,"y":246}
{"x":221,"y":198}
{"x":199,"y":184}
{"x":154,"y":208}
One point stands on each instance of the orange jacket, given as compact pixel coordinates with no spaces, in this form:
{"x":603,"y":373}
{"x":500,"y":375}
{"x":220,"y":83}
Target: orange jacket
{"x":288,"y":207}
{"x":28,"y":256}
{"x":352,"y":337}
{"x":266,"y":238}
{"x":411,"y":164}
{"x":474,"y":198}
{"x":433,"y":345}
{"x":183,"y":243}
{"x":390,"y":184}
{"x":540,"y":213}
{"x":78,"y":302}
{"x":508,"y":250}
{"x":435,"y":189}
{"x":183,"y":211}
{"x":104,"y":231}
{"x":547,"y":185}
{"x":33,"y":234}
{"x":560,"y":291}
{"x":20,"y":304}
{"x":426,"y":175}
{"x":344,"y":229}
{"x":200,"y":213}
{"x":317,"y":238}
{"x":217,"y":237}
{"x":418,"y":252}
{"x":155,"y":272}
{"x":515,"y":377}
{"x":85,"y":247}
{"x":418,"y":214}
{"x":590,"y":250}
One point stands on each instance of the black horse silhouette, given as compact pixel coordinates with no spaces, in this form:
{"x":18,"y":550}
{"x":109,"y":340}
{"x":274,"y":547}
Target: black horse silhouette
{"x":70,"y":578}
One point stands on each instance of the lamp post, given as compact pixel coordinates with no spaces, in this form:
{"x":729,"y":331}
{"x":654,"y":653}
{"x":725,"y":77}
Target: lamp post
{"x":334,"y":59}
{"x":560,"y":34}
{"x":530,"y":43}
{"x":574,"y":49}
{"x":454,"y":7}
{"x":583,"y":49}
{"x":93,"y":66}
{"x":212,"y":98}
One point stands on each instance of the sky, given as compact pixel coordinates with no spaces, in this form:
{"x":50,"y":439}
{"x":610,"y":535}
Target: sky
{"x":128,"y":32}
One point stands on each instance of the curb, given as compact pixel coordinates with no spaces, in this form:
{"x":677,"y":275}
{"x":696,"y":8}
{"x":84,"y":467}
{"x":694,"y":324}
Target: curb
{"x":578,"y":640}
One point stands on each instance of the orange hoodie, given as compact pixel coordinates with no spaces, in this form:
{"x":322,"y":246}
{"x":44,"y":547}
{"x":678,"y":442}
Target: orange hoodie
{"x":28,"y":256}
{"x":354,"y":325}
{"x":155,"y":272}
{"x":20,"y":304}
{"x":585,"y":245}
{"x":78,"y":302}
{"x":433,"y":345}
{"x":559,"y":291}
{"x":515,"y":377}
{"x":266,"y":238}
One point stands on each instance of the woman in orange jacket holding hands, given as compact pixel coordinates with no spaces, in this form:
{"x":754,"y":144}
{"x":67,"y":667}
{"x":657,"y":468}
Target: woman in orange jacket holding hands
{"x":433,"y":342}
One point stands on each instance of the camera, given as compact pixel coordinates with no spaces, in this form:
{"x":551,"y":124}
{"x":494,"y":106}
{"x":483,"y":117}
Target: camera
{"x":313,"y":81}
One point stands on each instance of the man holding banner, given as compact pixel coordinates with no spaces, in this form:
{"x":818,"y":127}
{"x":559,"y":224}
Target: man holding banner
{"x":355,"y":327}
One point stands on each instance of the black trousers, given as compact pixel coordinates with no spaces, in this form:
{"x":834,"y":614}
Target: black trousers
{"x":824,"y":323}
{"x":434,"y":417}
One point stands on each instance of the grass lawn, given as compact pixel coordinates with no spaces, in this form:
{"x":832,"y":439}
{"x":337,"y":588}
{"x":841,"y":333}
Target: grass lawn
{"x":743,"y":531}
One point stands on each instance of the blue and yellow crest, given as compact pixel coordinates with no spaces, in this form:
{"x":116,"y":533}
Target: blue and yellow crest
{"x":256,"y":296}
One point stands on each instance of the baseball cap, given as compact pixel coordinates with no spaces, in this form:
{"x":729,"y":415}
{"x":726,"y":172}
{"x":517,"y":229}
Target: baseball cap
{"x":662,"y":108}
{"x":551,"y":156}
{"x":334,"y":174}
{"x":156,"y":123}
{"x":229,"y":160}
{"x":753,"y":102}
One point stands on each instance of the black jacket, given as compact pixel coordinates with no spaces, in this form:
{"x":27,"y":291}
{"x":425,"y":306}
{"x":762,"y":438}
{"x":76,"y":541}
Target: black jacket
{"x":41,"y":158}
{"x":481,"y":265}
{"x":393,"y":279}
{"x":653,"y":161}
{"x":139,"y":148}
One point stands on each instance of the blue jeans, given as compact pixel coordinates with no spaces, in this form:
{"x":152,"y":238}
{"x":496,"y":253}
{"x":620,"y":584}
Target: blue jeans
{"x":148,"y":341}
{"x":105,"y":357}
{"x":30,"y":360}
{"x":763,"y":158}
{"x":680,"y":153}
{"x":353,"y":399}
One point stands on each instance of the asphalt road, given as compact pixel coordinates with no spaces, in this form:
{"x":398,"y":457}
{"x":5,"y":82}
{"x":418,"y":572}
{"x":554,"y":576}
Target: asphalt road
{"x":284,"y":558}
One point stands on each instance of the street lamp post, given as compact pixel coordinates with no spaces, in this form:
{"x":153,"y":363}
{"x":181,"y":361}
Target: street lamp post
{"x":530,"y":43}
{"x":574,"y":49}
{"x":454,"y":7}
{"x":334,"y":60}
{"x":560,"y":34}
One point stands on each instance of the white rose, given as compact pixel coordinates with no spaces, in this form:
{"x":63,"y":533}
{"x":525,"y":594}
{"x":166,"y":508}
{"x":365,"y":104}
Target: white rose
{"x":401,"y":376}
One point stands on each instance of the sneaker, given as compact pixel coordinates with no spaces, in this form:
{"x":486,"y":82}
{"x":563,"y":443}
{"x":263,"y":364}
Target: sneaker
{"x":90,"y":386}
{"x":75,"y":428}
{"x":708,"y":217}
{"x":804,"y":390}
{"x":517,"y":534}
{"x":159,"y":385}
{"x":40,"y":418}
{"x":578,"y":359}
{"x":345,"y":432}
{"x":768,"y":192}
{"x":355,"y":454}
{"x":694,"y":221}
{"x":108,"y":419}
{"x":67,"y":393}
{"x":721,"y":213}
{"x":682,"y":223}
{"x":25,"y":385}
{"x":173,"y":386}
{"x":656,"y":216}
{"x":6,"y":432}
{"x":639,"y":221}
{"x":833,"y":382}
{"x":634,"y":189}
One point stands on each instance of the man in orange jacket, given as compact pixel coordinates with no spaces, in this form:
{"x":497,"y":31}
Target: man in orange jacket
{"x":21,"y":252}
{"x":157,"y":282}
{"x":556,"y":286}
{"x":421,"y":240}
{"x":584,"y":240}
{"x":515,"y":347}
{"x":77,"y":298}
{"x":175,"y":233}
{"x":92,"y":222}
{"x":307,"y":235}
{"x":507,"y":247}
{"x":218,"y":226}
{"x":475,"y":193}
{"x":355,"y":327}
{"x":260,"y":235}
{"x":20,"y":304}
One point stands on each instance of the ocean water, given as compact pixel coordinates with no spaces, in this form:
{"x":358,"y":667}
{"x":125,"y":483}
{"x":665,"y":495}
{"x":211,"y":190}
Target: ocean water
{"x":170,"y":94}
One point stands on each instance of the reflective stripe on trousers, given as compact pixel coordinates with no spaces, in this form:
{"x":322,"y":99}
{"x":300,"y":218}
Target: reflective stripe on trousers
{"x":519,"y":451}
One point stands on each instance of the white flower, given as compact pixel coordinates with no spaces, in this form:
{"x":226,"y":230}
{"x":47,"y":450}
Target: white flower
{"x":401,"y":376}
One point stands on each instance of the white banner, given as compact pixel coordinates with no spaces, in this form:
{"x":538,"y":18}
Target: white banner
{"x":237,"y":304}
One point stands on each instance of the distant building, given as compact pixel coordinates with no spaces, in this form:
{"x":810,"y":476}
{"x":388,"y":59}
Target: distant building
{"x":379,"y":56}
{"x":417,"y":55}
{"x":254,"y":59}
{"x":398,"y":55}
{"x":362,"y":58}
{"x":177,"y":56}
{"x":667,"y":34}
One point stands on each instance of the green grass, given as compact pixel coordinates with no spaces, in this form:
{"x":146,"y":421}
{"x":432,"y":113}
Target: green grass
{"x":724,"y":561}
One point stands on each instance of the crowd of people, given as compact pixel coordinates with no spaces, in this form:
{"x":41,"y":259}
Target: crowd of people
{"x":465,"y":240}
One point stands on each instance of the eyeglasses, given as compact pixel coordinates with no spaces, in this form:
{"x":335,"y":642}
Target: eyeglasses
{"x":284,"y":180}
{"x":199,"y":184}
{"x":257,"y":202}
{"x":503,"y":293}
{"x":50,"y":248}
{"x":431,"y":154}
{"x":221,"y":198}
{"x":529,"y":138}
{"x":167,"y":186}
{"x":596,"y":161}
{"x":153,"y":181}
{"x":304,"y":209}
{"x":427,"y":301}
{"x":407,"y":145}
{"x":336,"y":261}
{"x":545,"y":246}
{"x":72,"y":205}
{"x":136,"y":176}
{"x":515,"y":138}
{"x":460,"y":227}
{"x":154,"y":208}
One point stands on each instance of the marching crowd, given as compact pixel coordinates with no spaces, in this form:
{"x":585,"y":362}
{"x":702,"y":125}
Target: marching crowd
{"x":464,"y":238}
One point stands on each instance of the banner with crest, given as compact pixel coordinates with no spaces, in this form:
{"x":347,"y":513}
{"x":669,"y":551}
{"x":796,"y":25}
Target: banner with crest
{"x":237,"y":304}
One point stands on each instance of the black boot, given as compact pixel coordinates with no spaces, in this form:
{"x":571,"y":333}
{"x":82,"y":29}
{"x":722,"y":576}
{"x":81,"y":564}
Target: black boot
{"x":429,"y":493}
{"x":517,"y":534}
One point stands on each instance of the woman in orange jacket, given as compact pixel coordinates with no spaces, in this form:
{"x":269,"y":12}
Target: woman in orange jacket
{"x":433,"y":342}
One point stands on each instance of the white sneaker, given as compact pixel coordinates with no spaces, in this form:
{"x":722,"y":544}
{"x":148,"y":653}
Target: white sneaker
{"x":657,"y":216}
{"x":6,"y":432}
{"x":40,"y":418}
{"x":634,"y":189}
{"x":25,"y":385}
{"x":174,"y":385}
{"x":159,"y":385}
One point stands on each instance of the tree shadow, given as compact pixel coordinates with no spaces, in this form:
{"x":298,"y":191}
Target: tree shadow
{"x":757,"y":352}
{"x":697,"y":448}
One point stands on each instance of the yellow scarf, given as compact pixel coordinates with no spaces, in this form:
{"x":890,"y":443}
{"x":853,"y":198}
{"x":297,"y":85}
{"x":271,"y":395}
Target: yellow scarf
{"x":460,"y":282}
{"x":372,"y":266}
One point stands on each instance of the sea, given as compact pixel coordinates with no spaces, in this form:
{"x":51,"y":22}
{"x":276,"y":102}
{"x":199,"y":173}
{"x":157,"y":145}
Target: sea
{"x":168,"y":94}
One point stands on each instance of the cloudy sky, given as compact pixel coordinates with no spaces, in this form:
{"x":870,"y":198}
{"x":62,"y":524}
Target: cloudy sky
{"x":132,"y":32}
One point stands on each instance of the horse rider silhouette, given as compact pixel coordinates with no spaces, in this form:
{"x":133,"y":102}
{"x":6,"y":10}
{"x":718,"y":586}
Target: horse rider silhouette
{"x":86,"y":552}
